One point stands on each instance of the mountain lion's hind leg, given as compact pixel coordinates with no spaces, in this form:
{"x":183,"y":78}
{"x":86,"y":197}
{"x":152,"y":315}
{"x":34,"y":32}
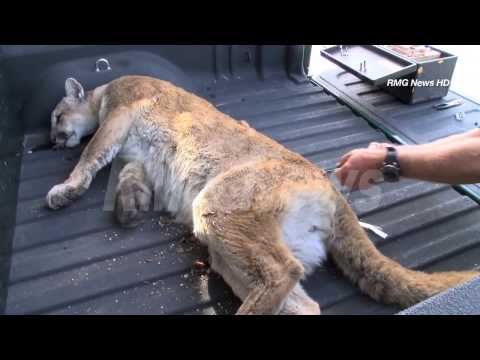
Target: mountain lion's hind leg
{"x":248,"y":238}
{"x":100,"y":151}
{"x":133,"y":195}
{"x":297,"y":302}
{"x":268,"y":268}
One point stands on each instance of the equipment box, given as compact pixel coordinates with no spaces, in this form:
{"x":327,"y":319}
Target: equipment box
{"x":407,"y":73}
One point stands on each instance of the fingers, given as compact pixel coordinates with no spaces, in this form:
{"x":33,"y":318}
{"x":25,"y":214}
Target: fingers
{"x":359,"y":168}
{"x":339,"y":173}
{"x":349,"y":177}
{"x":356,"y":180}
{"x":344,"y":166}
{"x":344,"y":159}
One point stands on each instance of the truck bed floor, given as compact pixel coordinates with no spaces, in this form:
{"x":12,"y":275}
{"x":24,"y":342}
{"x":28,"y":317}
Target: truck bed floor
{"x":78,"y":261}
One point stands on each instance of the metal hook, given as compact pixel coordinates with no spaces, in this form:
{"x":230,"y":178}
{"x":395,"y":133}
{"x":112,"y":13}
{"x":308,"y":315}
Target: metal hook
{"x":106,"y":65}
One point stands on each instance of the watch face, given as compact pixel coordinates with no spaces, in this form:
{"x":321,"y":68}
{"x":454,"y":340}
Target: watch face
{"x":391,"y":173}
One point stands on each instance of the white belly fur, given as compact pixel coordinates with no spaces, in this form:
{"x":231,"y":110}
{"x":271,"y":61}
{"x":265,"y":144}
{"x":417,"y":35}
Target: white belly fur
{"x":307,"y":224}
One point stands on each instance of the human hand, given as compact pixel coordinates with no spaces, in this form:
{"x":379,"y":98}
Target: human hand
{"x":360,"y":168}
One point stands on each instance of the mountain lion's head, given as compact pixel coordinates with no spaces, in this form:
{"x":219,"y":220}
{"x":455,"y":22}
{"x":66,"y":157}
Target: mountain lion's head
{"x":73,"y":117}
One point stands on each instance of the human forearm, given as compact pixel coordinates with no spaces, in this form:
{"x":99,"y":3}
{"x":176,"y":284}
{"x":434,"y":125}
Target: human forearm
{"x":452,"y":162}
{"x":456,"y":138}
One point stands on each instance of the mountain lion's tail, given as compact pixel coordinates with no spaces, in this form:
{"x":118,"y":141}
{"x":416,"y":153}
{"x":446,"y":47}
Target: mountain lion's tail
{"x":378,"y":276}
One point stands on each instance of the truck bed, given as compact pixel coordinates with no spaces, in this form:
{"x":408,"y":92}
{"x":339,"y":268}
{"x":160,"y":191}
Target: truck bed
{"x":79,"y":261}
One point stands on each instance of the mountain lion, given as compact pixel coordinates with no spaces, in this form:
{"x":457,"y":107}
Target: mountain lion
{"x":267,"y":215}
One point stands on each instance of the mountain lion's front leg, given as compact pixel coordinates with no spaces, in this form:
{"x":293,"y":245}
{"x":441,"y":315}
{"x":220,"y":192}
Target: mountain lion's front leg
{"x":101,"y":150}
{"x":133,"y":195}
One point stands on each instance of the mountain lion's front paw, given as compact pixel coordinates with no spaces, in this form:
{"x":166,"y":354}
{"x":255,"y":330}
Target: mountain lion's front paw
{"x":132,"y":201}
{"x":61,"y":195}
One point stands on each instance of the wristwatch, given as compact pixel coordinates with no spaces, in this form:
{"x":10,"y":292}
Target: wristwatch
{"x":391,"y":167}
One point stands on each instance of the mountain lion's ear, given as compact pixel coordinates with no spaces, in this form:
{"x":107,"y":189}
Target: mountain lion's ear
{"x":74,"y":89}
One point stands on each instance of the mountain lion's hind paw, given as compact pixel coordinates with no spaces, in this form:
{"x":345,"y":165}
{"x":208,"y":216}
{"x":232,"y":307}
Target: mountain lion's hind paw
{"x":132,"y":201}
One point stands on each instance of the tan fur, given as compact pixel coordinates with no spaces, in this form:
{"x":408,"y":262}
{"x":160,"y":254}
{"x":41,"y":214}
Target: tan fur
{"x":234,"y":186}
{"x":133,"y":195}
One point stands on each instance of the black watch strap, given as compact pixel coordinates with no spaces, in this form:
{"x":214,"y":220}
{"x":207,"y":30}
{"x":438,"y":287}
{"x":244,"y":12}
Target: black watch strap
{"x":391,"y":165}
{"x":392,"y":157}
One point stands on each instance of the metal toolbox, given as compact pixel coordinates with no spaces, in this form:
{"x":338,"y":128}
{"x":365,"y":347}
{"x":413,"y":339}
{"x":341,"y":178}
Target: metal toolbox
{"x":412,"y":81}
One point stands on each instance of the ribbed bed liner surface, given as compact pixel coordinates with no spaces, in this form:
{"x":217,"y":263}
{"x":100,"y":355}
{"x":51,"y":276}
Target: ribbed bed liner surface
{"x":78,"y":261}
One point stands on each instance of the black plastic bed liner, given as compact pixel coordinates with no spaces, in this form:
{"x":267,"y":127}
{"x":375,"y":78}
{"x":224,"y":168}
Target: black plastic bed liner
{"x":78,"y":261}
{"x":406,"y":123}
